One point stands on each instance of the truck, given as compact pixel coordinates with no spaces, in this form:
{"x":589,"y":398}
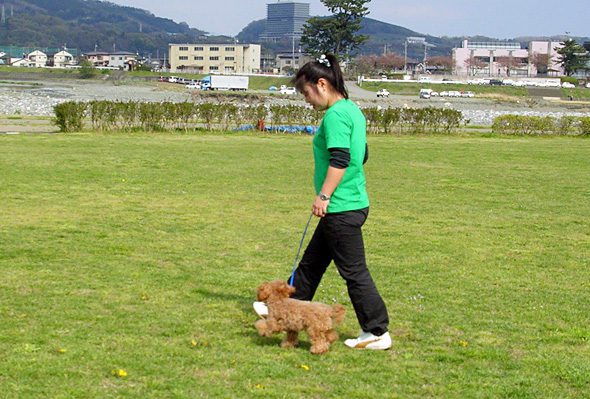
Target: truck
{"x":224,"y":82}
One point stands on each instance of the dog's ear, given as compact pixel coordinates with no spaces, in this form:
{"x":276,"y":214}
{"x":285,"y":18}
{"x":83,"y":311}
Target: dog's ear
{"x":286,"y":290}
{"x":262,"y":291}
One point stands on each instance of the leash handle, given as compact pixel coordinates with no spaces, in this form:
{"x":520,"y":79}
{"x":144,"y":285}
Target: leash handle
{"x":299,"y":250}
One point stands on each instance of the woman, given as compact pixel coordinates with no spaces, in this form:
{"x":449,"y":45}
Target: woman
{"x":340,"y":150}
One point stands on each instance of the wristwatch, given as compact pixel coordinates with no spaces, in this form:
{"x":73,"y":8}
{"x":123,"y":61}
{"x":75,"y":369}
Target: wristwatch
{"x":324,"y":197}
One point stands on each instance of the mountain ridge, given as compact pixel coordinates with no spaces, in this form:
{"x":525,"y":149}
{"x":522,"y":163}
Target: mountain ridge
{"x":101,"y":25}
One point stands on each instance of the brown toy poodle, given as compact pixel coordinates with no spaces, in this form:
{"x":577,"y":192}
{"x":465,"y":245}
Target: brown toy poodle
{"x":292,"y":316}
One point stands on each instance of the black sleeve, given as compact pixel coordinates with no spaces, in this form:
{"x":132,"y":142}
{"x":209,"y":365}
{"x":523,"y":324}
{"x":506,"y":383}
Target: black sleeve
{"x":340,"y":157}
{"x":366,"y":154}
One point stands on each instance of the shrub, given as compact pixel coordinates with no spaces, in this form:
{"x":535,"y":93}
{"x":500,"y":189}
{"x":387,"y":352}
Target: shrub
{"x":69,"y":116}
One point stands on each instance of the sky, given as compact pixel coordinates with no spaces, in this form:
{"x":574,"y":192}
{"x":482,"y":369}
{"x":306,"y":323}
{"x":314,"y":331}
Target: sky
{"x":500,"y":19}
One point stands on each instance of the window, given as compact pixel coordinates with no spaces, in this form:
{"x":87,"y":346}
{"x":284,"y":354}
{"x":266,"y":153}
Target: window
{"x":229,"y":58}
{"x":214,"y":58}
{"x":183,"y":58}
{"x":214,"y":49}
{"x":183,"y":49}
{"x":198,"y":58}
{"x":198,"y":48}
{"x":214,"y":68}
{"x":230,"y":49}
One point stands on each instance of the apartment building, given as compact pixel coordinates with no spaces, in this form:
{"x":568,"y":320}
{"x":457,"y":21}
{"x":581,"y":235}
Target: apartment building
{"x":502,"y":58}
{"x":214,"y":58}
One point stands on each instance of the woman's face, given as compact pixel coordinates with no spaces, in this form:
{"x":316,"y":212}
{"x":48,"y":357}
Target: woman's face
{"x":315,"y":95}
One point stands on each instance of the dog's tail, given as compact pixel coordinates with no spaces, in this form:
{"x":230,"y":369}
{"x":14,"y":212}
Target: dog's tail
{"x":338,"y":312}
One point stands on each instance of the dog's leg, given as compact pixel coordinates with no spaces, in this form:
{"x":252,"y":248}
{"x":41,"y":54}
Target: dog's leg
{"x":332,"y":336}
{"x":319,"y":341}
{"x":266,"y":328}
{"x":291,"y":339}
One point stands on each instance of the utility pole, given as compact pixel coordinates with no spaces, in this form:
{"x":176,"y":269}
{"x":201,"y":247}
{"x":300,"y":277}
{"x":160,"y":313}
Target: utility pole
{"x":3,"y":19}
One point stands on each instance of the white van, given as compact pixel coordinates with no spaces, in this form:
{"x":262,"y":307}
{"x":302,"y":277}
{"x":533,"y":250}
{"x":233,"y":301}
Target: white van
{"x":424,"y":79}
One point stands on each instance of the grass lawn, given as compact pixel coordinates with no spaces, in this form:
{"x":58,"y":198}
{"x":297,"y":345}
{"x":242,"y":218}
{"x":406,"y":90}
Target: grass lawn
{"x":128,"y":265}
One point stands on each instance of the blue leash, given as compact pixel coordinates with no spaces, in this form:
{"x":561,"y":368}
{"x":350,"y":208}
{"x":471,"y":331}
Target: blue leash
{"x":299,"y":250}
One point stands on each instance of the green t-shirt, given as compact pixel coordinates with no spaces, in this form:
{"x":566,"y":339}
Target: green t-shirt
{"x":343,"y":126}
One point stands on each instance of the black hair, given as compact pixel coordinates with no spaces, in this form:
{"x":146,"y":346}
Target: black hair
{"x":326,"y":67}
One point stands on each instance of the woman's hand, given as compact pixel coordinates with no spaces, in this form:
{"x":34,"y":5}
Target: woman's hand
{"x":320,"y":207}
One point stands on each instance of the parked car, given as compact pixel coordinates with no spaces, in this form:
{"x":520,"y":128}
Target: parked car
{"x":425,"y":93}
{"x":194,"y":86}
{"x":568,"y":85}
{"x":173,"y":79}
{"x":508,"y":82}
{"x":467,"y":94}
{"x":478,"y":81}
{"x":495,"y":82}
{"x":162,"y":79}
{"x":444,"y":94}
{"x":382,"y":93}
{"x":288,"y":90}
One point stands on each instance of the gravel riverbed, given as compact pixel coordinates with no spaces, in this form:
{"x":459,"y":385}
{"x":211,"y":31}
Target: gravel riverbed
{"x":39,"y":98}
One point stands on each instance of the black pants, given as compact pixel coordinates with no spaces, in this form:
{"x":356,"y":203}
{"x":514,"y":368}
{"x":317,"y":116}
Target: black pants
{"x":339,"y":238}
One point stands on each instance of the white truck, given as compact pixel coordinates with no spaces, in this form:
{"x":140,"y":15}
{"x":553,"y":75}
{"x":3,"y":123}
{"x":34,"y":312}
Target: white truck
{"x":224,"y":82}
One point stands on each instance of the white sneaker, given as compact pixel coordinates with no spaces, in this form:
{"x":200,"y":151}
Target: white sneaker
{"x":370,"y":341}
{"x":261,"y":309}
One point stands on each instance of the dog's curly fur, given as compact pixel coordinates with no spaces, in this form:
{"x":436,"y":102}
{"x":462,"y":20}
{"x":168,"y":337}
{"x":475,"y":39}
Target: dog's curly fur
{"x":292,"y":316}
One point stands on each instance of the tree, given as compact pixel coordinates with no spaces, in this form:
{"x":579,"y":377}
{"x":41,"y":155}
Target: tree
{"x":442,"y":62}
{"x":337,"y":33}
{"x":475,"y":65}
{"x":508,"y":62}
{"x":541,"y":62}
{"x":364,"y":64}
{"x":572,"y":56}
{"x":390,"y":62}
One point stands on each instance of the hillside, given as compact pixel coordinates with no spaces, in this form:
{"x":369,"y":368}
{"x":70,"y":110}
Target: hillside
{"x":392,"y":37}
{"x":89,"y":24}
{"x":381,"y":34}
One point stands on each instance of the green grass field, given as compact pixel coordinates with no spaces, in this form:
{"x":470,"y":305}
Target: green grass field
{"x":128,"y":265}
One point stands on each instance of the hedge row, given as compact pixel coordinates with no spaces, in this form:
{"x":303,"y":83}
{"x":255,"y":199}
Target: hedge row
{"x":537,"y":125}
{"x":166,"y":116}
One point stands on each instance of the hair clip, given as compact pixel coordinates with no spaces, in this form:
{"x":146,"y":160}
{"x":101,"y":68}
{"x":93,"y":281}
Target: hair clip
{"x":323,"y":60}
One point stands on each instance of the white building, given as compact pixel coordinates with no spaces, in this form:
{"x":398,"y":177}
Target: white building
{"x":37,"y":59}
{"x":122,"y":60}
{"x":507,"y":59}
{"x":214,"y":58}
{"x":63,"y":59}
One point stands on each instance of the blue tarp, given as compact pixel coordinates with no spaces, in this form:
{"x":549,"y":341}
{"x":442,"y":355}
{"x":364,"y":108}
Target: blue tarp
{"x":283,"y":129}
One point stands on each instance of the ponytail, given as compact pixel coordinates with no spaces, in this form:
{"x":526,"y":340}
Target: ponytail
{"x":326,"y":67}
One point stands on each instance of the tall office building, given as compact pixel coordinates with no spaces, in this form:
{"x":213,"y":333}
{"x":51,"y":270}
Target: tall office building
{"x":285,"y":19}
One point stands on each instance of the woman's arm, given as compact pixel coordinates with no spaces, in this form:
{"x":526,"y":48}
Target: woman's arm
{"x":333,"y":178}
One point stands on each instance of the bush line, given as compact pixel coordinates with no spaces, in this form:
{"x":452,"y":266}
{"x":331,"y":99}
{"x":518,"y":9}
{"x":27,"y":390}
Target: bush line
{"x":537,"y":125}
{"x":185,"y":116}
{"x":167,"y":116}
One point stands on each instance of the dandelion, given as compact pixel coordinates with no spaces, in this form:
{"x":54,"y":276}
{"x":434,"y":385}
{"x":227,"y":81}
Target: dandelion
{"x":194,"y":343}
{"x":463,"y":343}
{"x":60,"y":350}
{"x":303,"y":366}
{"x":119,"y":373}
{"x":144,"y":297}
